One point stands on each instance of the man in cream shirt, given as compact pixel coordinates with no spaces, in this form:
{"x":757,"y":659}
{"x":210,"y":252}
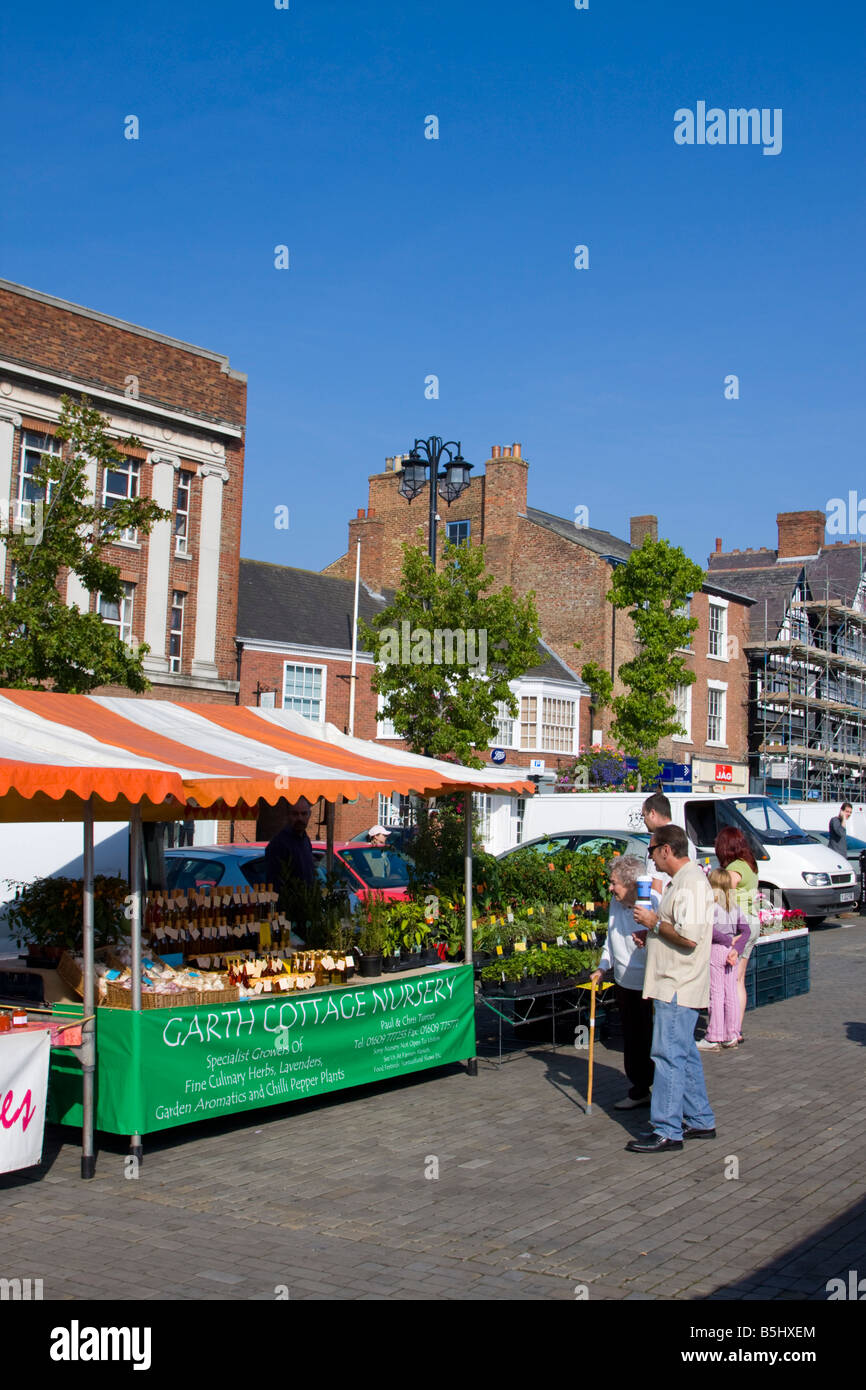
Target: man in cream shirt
{"x":677,"y":979}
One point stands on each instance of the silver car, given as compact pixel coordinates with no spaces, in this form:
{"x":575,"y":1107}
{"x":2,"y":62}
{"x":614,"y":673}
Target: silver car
{"x":598,"y":841}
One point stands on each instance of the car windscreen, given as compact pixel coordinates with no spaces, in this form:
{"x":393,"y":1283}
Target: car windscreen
{"x":190,"y":870}
{"x":597,"y":844}
{"x":769,"y":822}
{"x":254,"y":871}
{"x":378,"y":867}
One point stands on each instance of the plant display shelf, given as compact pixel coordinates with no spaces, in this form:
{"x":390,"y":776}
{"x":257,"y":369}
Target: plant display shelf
{"x":577,"y":1006}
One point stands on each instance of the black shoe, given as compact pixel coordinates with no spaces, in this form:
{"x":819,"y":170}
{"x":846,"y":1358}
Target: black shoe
{"x":654,"y":1145}
{"x":689,"y":1133}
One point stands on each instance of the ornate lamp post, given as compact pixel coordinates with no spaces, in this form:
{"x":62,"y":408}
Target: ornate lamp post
{"x":453,"y":479}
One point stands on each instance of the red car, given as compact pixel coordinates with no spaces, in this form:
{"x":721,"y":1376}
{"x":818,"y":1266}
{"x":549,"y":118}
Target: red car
{"x":367,"y":869}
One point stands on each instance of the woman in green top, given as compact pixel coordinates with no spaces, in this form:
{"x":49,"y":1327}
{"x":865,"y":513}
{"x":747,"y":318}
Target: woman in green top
{"x":734,"y":853}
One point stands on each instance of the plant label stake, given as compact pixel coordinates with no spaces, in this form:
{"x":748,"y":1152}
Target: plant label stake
{"x":591,"y":1046}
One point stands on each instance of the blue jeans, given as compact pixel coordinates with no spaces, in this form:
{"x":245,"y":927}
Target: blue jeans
{"x":679,"y":1090}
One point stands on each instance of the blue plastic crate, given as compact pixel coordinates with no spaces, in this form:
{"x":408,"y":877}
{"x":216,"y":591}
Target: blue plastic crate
{"x":799,"y":970}
{"x":796,"y":950}
{"x":769,"y":957}
{"x":769,"y":994}
{"x":765,"y":979}
{"x":795,"y":987}
{"x":751,"y":993}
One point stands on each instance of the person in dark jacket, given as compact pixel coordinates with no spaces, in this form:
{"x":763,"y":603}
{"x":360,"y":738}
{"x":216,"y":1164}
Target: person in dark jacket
{"x":838,"y":834}
{"x":289,"y":854}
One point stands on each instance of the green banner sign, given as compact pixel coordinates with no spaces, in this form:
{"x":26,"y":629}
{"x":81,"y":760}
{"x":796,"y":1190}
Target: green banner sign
{"x":197,"y":1063}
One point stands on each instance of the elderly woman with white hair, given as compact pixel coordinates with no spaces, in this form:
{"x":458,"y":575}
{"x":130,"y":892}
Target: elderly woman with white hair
{"x":623,"y":956}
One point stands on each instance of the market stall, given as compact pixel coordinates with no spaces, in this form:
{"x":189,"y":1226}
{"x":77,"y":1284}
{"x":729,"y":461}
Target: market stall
{"x":87,"y":758}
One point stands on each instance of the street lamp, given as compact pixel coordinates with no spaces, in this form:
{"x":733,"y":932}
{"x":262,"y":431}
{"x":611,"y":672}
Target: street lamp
{"x":453,"y":479}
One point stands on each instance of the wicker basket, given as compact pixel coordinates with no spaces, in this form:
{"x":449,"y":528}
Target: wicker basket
{"x":230,"y":995}
{"x":119,"y":998}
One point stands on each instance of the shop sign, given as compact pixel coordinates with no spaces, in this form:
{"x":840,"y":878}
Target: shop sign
{"x":724,"y":772}
{"x":197,"y":1063}
{"x":23,"y":1089}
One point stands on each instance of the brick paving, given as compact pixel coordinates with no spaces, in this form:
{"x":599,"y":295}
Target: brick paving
{"x":534,"y":1198}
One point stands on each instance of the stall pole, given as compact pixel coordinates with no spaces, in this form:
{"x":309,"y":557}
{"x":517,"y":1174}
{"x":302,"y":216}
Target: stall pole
{"x":329,"y":837}
{"x":137,"y":890}
{"x":88,"y":1032}
{"x":467,"y":893}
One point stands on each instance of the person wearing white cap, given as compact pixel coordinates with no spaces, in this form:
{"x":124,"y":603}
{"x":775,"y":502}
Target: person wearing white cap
{"x":377,"y":837}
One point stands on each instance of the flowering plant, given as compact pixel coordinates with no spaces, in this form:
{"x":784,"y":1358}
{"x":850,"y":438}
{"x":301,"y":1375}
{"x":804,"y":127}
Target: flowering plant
{"x":775,"y":919}
{"x":599,"y":768}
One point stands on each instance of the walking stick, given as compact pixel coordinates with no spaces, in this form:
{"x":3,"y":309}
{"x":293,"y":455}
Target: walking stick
{"x":591,"y":1047}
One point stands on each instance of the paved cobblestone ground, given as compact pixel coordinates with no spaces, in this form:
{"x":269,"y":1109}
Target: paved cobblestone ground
{"x":329,"y":1198}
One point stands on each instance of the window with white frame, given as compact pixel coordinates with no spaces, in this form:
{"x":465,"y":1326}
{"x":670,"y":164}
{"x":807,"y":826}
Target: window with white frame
{"x":685,"y":611}
{"x":175,"y":634}
{"x":120,"y":484}
{"x":482,"y":805}
{"x":304,"y":690}
{"x":504,"y":725}
{"x":716,"y":700}
{"x":718,"y":631}
{"x":528,"y":721}
{"x":33,"y":446}
{"x":181,"y":513}
{"x":395,"y":810}
{"x":557,"y":726}
{"x":384,"y":726}
{"x":118,"y":615}
{"x":683,"y":703}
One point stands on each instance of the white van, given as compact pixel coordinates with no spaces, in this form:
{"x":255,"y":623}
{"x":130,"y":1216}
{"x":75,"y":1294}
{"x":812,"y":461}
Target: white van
{"x":808,"y":875}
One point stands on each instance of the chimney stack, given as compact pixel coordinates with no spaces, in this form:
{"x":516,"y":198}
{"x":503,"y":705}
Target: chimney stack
{"x":640,"y":526}
{"x":800,"y":534}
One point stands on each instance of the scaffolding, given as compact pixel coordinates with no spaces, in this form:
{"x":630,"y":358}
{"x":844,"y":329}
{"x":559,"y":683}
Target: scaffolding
{"x":808,"y":703}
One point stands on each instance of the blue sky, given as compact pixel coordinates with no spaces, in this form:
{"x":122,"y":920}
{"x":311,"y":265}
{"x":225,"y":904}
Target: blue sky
{"x":409,"y":256}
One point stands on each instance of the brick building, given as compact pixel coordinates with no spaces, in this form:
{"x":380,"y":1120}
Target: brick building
{"x":187,"y":407}
{"x":295,"y":651}
{"x":569,"y":567}
{"x":806,"y":648}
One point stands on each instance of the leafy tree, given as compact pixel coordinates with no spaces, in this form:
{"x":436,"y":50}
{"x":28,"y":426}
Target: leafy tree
{"x":446,"y":651}
{"x":655,"y":586}
{"x":600,"y":685}
{"x":44,"y":642}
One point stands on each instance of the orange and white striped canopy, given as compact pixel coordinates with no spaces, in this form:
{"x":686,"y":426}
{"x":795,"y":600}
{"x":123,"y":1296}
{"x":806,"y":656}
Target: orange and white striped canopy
{"x":56,"y":751}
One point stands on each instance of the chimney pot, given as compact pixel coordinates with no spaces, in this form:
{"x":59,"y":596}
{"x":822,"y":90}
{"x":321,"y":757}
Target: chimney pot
{"x":640,"y":526}
{"x":389,"y":465}
{"x":506,"y":451}
{"x":515,"y":449}
{"x":370,"y":512}
{"x":800,"y":533}
{"x":360,"y":513}
{"x":495,"y":451}
{"x":718,"y":545}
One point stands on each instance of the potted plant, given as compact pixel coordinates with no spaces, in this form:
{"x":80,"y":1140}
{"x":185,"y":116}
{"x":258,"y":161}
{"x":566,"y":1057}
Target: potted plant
{"x":371,"y":939}
{"x":46,"y":915}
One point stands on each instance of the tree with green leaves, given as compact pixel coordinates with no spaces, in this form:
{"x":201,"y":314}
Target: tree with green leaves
{"x":600,"y":685}
{"x":446,"y":650}
{"x":45,"y":643}
{"x":655,"y":586}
